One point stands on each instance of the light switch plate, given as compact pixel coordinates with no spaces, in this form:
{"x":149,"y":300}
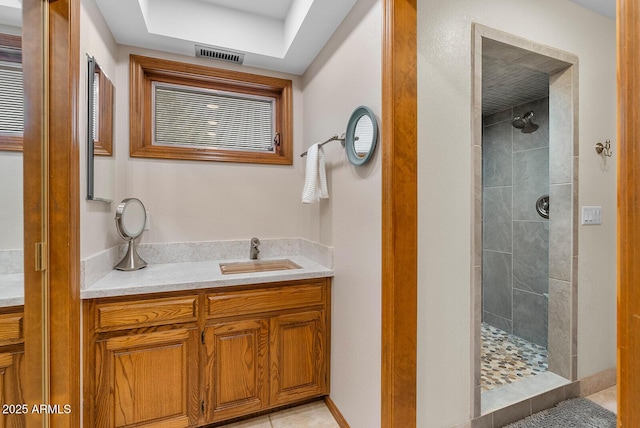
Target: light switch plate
{"x":591,"y":215}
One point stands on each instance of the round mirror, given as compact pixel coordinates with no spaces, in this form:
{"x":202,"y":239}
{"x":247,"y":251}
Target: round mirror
{"x":361,"y":136}
{"x":131,"y":218}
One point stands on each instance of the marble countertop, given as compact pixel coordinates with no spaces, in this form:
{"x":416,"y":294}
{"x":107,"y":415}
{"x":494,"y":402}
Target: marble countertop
{"x":11,"y":290}
{"x":156,"y":278}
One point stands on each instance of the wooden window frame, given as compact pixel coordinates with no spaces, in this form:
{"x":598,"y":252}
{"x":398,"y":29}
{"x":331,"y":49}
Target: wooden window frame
{"x":11,"y":143}
{"x":144,"y":71}
{"x":103,"y":146}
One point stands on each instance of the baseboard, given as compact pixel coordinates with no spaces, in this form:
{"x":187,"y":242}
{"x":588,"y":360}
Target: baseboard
{"x":597,"y":382}
{"x":336,"y":412}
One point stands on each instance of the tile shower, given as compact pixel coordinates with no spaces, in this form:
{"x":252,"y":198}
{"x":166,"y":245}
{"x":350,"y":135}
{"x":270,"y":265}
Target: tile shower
{"x":515,"y":237}
{"x":515,"y":245}
{"x":510,"y":72}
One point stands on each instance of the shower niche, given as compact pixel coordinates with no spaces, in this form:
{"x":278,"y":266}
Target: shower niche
{"x":525,"y":158}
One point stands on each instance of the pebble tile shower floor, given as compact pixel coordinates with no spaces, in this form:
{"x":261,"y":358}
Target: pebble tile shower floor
{"x":506,"y":358}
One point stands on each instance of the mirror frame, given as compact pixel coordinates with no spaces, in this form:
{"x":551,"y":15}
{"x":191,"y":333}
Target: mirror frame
{"x":120,"y":221}
{"x":350,"y":137}
{"x":104,"y":144}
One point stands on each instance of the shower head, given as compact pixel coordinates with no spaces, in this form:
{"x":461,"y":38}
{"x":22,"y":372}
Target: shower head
{"x":524,"y":123}
{"x":518,"y":122}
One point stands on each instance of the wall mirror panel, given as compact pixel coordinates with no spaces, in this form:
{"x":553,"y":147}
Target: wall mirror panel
{"x":100,"y":160}
{"x":12,"y":277}
{"x":11,"y":160}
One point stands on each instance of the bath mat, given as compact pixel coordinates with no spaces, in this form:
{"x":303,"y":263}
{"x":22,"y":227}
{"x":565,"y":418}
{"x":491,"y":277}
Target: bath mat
{"x":575,"y":413}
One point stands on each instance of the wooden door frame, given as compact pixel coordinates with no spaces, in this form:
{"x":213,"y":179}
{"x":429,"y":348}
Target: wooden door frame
{"x":399,"y":214}
{"x":51,"y":29}
{"x":628,"y":28}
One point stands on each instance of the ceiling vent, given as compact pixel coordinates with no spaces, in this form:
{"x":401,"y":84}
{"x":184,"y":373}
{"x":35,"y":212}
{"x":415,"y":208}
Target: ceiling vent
{"x":219,"y":54}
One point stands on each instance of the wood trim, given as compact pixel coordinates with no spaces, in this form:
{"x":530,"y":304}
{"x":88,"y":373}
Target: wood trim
{"x":64,"y":209}
{"x":144,"y":70}
{"x":104,"y":145}
{"x":628,"y":215}
{"x":33,"y":53}
{"x":10,"y":143}
{"x":337,"y":415}
{"x":399,"y":214}
{"x":52,"y":216}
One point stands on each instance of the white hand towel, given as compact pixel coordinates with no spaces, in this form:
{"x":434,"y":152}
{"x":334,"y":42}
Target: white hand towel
{"x":315,"y":181}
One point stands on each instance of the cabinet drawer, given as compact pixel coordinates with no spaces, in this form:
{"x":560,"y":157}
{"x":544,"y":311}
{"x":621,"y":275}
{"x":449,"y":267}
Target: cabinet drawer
{"x":246,"y":302}
{"x":11,"y":328}
{"x":122,"y":315}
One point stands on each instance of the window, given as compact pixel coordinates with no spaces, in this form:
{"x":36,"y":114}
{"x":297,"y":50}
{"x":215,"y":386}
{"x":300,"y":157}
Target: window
{"x":11,"y":93}
{"x":187,"y":111}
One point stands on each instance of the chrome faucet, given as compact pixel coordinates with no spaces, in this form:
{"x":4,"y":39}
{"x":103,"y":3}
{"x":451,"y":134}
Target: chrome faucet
{"x":253,"y":253}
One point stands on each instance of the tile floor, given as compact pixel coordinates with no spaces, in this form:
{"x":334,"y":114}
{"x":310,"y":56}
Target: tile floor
{"x":526,"y":388}
{"x":607,"y":398}
{"x":316,"y":414}
{"x":506,"y":358}
{"x":312,"y":415}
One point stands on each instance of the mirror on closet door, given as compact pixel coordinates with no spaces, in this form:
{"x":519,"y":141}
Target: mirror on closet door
{"x":12,"y":290}
{"x":100,"y":159}
{"x":11,"y":160}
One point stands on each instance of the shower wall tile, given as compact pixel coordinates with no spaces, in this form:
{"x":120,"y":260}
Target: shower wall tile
{"x":530,"y":181}
{"x":497,"y":235}
{"x":498,"y":322}
{"x":539,"y":138}
{"x":531,"y":256}
{"x":559,"y":335}
{"x":477,"y":206}
{"x":476,"y":336}
{"x":561,"y":136}
{"x":576,"y":203}
{"x":560,"y":226}
{"x":496,"y":155}
{"x":496,"y":281}
{"x":501,"y":116}
{"x":530,"y":316}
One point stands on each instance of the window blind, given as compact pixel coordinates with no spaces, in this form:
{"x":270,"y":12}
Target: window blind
{"x":11,"y":99}
{"x":364,"y":132}
{"x":187,"y":116}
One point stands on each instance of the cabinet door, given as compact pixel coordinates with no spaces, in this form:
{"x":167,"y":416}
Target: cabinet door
{"x":11,"y":400}
{"x":298,"y":357}
{"x":148,"y":380}
{"x":235,"y":368}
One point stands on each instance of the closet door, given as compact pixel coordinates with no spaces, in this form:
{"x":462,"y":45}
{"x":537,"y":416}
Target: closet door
{"x":51,"y":64}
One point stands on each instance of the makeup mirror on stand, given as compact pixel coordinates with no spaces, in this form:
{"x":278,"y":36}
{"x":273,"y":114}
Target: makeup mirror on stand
{"x":131,"y":218}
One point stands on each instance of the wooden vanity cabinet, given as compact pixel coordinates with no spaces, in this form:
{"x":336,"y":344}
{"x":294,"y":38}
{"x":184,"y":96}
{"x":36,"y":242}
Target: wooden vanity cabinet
{"x":235,"y":368}
{"x":265,"y":347}
{"x":12,"y":368}
{"x":298,"y":356}
{"x":141,"y":362}
{"x":209,"y":356}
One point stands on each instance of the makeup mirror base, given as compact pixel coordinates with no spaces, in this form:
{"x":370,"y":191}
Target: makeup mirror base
{"x":131,"y":261}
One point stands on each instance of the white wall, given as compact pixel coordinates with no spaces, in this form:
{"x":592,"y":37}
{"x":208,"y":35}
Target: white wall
{"x":96,"y":218}
{"x":201,"y":201}
{"x":445,"y":195}
{"x":195,"y":200}
{"x":345,"y":75}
